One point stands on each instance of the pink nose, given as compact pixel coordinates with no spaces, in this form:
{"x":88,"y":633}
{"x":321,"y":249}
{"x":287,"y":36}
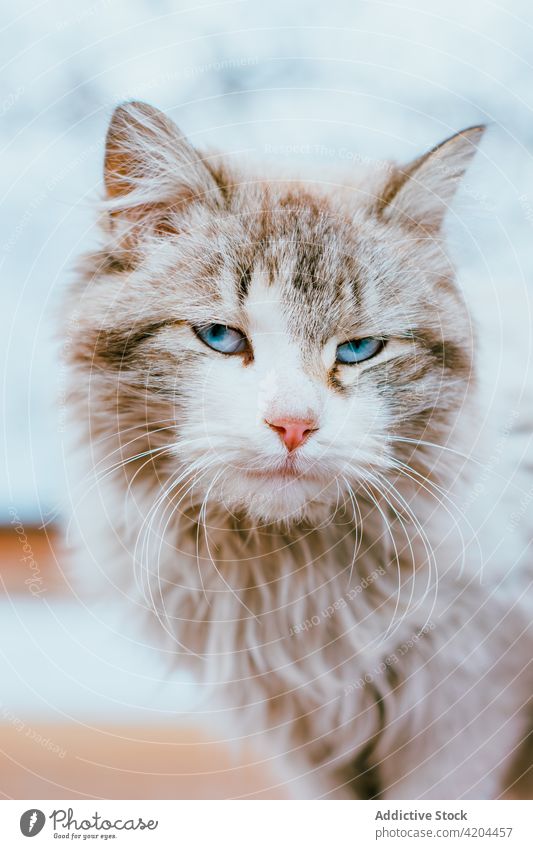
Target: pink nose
{"x":293,"y":432}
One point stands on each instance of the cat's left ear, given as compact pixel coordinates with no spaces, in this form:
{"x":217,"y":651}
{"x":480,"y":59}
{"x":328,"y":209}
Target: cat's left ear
{"x":420,"y":193}
{"x":150,"y":166}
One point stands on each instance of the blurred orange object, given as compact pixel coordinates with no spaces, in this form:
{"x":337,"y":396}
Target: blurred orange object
{"x":121,"y":762}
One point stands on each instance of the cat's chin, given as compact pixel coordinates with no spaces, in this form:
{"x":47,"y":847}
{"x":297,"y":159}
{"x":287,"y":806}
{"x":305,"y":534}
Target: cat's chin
{"x":279,"y":499}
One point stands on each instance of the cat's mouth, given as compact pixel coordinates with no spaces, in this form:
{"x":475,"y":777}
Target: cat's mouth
{"x":290,"y":470}
{"x":284,"y":474}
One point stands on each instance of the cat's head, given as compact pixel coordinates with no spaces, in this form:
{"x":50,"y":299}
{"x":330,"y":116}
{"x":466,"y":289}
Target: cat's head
{"x":273,"y":342}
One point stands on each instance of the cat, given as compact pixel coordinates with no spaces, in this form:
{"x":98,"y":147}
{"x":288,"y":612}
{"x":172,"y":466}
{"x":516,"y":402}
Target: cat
{"x":272,"y":390}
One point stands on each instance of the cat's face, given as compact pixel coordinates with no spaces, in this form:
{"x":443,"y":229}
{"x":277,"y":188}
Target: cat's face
{"x":278,"y":344}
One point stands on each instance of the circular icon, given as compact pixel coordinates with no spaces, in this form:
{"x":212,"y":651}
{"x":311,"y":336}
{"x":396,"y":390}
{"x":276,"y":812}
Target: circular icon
{"x":32,"y":822}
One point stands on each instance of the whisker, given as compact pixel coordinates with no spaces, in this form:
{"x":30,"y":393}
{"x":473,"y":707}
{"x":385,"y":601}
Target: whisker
{"x":397,"y":556}
{"x":145,"y":424}
{"x":428,"y":486}
{"x":217,"y":570}
{"x":427,"y":444}
{"x":358,"y":528}
{"x":146,"y":531}
{"x":430,"y":554}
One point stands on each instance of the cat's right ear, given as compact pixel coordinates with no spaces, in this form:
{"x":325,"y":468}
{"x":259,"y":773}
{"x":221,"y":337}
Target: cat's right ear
{"x":150,"y":166}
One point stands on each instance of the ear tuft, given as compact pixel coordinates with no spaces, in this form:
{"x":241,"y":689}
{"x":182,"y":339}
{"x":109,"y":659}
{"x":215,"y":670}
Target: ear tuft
{"x":420,"y":193}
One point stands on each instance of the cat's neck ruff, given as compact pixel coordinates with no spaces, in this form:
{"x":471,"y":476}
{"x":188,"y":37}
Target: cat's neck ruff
{"x":217,"y":580}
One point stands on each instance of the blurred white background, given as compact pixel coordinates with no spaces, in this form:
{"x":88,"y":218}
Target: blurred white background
{"x":383,"y":79}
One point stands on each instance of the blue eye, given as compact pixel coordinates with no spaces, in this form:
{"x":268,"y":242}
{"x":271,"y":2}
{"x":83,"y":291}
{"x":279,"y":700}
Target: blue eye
{"x":359,"y":350}
{"x":222,"y":338}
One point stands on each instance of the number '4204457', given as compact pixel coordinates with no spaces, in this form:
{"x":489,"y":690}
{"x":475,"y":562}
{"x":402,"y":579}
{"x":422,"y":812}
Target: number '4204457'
{"x":472,"y":831}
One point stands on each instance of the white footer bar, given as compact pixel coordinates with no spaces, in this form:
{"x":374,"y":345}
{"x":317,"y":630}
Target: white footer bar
{"x":267,"y":824}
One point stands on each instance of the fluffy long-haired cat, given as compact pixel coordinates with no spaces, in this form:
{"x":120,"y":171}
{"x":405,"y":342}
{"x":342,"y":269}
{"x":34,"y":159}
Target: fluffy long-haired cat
{"x":272,"y":386}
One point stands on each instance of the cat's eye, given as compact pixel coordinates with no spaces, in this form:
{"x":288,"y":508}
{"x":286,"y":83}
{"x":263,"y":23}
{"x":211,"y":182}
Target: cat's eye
{"x":222,"y":338}
{"x":359,"y":350}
